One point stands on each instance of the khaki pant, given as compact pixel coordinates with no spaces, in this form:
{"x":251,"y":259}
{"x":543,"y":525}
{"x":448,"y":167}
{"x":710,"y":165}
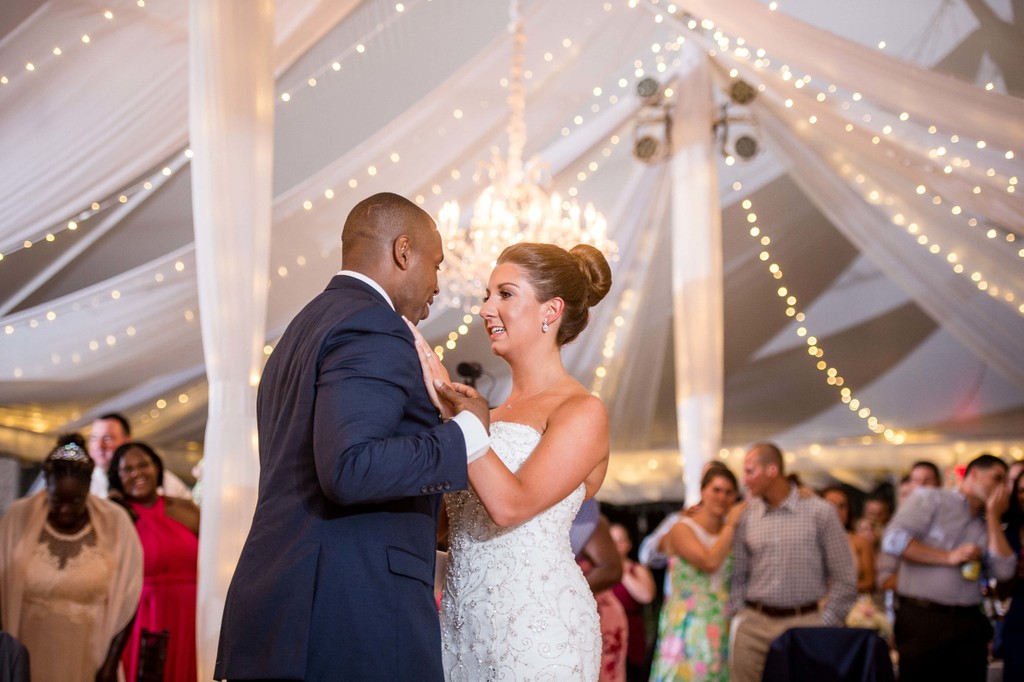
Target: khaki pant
{"x":752,"y":635}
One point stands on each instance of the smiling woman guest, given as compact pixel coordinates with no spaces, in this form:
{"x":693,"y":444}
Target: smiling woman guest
{"x":70,"y":574}
{"x":693,"y":632}
{"x":169,"y":531}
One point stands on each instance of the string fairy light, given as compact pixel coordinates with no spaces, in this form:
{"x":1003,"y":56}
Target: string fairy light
{"x":814,"y":346}
{"x":610,"y":359}
{"x":877,"y":194}
{"x":120,"y":197}
{"x":879,"y":126}
{"x":183,"y":399}
{"x":439,"y":185}
{"x":82,"y":38}
{"x":591,"y":165}
{"x":359,"y":47}
{"x":173,"y":267}
{"x":705,"y":31}
{"x":584,"y":169}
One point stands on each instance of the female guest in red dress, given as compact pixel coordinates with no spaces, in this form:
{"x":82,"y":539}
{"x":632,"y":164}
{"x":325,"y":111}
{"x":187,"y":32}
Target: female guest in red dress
{"x":169,"y":531}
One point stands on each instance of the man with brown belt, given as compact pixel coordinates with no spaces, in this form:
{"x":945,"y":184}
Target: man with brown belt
{"x":943,"y":538}
{"x":789,"y":552}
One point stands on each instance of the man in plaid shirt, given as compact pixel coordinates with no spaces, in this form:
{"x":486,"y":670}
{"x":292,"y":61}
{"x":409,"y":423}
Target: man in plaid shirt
{"x":790,"y":551}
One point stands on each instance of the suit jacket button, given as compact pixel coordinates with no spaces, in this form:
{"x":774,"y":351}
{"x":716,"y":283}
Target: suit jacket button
{"x":424,"y":489}
{"x":447,"y":485}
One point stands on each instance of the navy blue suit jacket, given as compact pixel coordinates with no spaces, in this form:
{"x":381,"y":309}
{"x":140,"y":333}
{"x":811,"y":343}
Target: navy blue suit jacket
{"x":335,"y":580}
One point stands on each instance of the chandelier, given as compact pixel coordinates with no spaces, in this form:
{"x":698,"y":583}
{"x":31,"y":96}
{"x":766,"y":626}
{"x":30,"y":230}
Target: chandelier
{"x":513,"y":207}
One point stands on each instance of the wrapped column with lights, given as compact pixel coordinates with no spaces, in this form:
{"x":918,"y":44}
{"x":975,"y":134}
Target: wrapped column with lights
{"x":231,"y":112}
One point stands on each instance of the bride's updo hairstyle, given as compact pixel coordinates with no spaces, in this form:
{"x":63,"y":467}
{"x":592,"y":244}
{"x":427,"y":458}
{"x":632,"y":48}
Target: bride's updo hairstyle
{"x":580,"y":276}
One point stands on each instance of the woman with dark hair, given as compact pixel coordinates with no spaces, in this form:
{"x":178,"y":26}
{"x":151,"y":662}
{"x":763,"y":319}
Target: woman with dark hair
{"x":693,"y":631}
{"x":515,"y":603}
{"x":70,"y":574}
{"x":1013,"y":623}
{"x":168,"y":528}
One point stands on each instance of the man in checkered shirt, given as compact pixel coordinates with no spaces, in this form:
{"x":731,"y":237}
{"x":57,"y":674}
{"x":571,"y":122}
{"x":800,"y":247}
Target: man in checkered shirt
{"x":790,"y":551}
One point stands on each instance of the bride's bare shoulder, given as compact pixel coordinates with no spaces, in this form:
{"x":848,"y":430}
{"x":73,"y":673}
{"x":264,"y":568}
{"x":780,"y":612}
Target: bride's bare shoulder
{"x":579,"y":405}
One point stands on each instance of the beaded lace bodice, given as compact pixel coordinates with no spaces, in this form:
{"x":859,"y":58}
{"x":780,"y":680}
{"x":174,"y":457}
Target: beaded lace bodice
{"x":515,"y":604}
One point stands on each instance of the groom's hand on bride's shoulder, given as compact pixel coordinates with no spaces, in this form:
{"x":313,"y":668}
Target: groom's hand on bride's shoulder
{"x":461,"y":397}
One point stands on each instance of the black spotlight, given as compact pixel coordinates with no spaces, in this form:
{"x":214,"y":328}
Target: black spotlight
{"x":746,"y":147}
{"x":742,"y":92}
{"x":649,"y":90}
{"x":647,"y":148}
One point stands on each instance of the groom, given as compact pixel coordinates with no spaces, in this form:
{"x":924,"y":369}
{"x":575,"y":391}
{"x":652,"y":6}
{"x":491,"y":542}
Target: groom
{"x":335,"y":580}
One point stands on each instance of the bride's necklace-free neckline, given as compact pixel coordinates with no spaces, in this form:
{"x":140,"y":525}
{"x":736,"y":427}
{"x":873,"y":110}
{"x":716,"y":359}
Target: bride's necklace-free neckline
{"x":508,"y":405}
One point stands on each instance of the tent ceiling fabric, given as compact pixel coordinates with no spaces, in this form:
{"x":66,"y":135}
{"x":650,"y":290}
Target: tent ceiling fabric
{"x":105,"y":317}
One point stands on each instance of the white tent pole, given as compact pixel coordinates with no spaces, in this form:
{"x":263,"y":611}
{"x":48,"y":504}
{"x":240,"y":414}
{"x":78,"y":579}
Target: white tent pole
{"x":231,"y":125}
{"x":697,"y":283}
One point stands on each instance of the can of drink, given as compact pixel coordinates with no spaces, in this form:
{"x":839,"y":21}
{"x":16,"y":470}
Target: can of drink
{"x":970,"y":570}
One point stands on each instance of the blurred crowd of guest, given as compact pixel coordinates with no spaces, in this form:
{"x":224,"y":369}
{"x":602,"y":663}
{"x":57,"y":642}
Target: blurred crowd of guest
{"x":934,"y":570}
{"x":98,"y":556}
{"x":102,"y":553}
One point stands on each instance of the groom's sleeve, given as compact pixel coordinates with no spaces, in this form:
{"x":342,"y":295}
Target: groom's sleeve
{"x":475,"y":435}
{"x":363,"y":394}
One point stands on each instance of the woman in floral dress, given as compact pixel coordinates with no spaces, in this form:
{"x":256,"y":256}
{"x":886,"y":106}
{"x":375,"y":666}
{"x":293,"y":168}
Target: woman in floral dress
{"x":693,"y":632}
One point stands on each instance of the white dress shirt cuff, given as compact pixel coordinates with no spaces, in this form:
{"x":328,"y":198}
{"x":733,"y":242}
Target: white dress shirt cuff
{"x":477,"y":440}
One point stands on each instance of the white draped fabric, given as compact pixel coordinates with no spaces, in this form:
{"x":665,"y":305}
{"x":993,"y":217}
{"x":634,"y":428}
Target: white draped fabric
{"x":100,"y":149}
{"x":415,"y":104}
{"x":696,"y":269}
{"x":231,"y":115}
{"x":133,"y":73}
{"x":873,"y":185}
{"x":979,"y":321}
{"x":889,"y":83}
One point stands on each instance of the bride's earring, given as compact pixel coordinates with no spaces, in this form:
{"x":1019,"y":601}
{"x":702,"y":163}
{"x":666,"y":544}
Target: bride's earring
{"x":544,"y":327}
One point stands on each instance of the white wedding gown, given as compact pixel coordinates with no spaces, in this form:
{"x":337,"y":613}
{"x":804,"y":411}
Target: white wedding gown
{"x":515,"y":605}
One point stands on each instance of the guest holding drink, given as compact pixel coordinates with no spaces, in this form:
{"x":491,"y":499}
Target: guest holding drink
{"x":941,"y":537}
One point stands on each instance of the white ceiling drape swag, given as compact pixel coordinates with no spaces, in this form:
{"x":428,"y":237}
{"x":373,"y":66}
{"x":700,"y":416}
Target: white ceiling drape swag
{"x":838,"y":173}
{"x":134,"y":117}
{"x":231,"y":114}
{"x":696,"y":270}
{"x":890,"y":83}
{"x":975,"y":318}
{"x":116,"y":326}
{"x":130,"y":113}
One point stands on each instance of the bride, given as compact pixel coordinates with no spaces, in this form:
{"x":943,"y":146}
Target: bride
{"x":515,"y":604}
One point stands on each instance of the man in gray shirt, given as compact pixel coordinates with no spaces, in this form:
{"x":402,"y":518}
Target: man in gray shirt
{"x":947,"y":540}
{"x":789,"y":551}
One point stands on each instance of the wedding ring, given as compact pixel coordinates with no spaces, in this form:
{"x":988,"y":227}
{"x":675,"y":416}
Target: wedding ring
{"x":428,"y":354}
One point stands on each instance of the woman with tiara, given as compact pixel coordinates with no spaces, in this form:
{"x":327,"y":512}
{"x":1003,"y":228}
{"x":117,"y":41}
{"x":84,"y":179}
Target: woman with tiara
{"x":70,"y":574}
